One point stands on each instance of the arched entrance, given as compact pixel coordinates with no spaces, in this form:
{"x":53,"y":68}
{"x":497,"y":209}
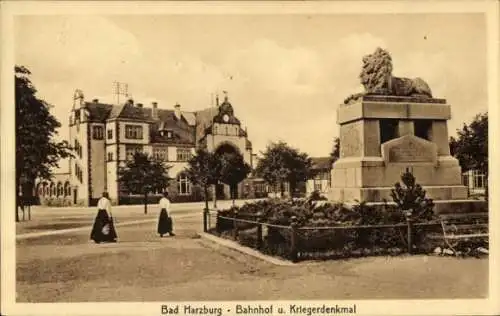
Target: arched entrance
{"x":222,"y":190}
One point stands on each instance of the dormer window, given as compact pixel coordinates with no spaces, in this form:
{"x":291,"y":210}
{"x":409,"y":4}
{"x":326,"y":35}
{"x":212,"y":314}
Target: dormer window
{"x":166,"y":133}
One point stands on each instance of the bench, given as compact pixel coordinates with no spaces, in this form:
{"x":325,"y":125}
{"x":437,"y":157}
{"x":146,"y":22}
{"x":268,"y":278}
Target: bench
{"x":459,"y":228}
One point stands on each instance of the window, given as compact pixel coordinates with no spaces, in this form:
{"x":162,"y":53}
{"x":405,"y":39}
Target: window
{"x":110,"y":156}
{"x":78,"y":148}
{"x":97,"y":132}
{"x":479,"y":181}
{"x":133,"y":132}
{"x":318,"y":186}
{"x":388,"y":130}
{"x":67,"y":189}
{"x":168,"y":133}
{"x":286,"y":186}
{"x":260,"y":188}
{"x":78,"y":173}
{"x":110,"y":133}
{"x":131,"y":150}
{"x":52,"y":189}
{"x":465,"y":179}
{"x":60,"y":191}
{"x":160,"y":153}
{"x":183,"y":154}
{"x":183,"y":185}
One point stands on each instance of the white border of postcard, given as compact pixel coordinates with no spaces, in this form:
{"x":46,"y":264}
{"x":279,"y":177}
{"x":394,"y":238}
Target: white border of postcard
{"x":372,"y":307}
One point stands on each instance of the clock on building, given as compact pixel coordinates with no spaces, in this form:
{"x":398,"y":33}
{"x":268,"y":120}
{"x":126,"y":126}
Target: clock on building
{"x":225,"y":118}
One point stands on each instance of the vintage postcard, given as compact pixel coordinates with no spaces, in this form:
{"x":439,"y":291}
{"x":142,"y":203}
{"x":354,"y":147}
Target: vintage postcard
{"x":249,"y":158}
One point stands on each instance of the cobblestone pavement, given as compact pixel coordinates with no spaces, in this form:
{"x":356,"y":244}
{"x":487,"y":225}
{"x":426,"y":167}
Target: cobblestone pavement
{"x":144,"y":267}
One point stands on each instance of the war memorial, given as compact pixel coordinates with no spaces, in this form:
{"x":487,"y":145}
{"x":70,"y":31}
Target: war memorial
{"x":396,"y":125}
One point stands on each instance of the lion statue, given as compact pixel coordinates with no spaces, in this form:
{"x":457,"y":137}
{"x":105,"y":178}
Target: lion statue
{"x":377,"y":79}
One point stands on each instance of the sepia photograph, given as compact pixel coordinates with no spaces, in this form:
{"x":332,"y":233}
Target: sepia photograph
{"x":249,"y":158}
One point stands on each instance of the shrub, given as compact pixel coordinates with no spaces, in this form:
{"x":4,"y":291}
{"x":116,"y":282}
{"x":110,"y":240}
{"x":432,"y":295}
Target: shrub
{"x":56,"y":202}
{"x":316,"y":196}
{"x":342,"y":242}
{"x":411,"y":196}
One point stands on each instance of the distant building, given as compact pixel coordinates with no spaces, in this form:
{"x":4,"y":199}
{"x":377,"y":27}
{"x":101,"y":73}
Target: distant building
{"x":475,"y":181}
{"x":321,"y":180}
{"x":105,"y":136}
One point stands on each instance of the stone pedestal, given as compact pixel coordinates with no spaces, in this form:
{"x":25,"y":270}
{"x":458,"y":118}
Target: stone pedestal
{"x":382,"y":137}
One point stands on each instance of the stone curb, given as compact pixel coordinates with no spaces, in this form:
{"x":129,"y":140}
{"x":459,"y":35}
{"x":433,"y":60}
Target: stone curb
{"x":86,"y":228}
{"x":245,"y":250}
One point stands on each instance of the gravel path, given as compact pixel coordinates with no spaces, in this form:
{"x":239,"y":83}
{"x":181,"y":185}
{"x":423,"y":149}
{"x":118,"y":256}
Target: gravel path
{"x":143,"y":267}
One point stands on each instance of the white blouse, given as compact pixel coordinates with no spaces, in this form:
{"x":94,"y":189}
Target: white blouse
{"x":104,"y":204}
{"x":165,"y":203}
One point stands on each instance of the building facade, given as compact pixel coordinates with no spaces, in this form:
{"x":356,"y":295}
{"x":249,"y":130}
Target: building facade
{"x":475,"y":181}
{"x":105,"y":136}
{"x":321,"y":180}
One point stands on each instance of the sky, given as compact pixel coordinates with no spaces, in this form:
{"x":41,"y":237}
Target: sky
{"x":285,"y":74}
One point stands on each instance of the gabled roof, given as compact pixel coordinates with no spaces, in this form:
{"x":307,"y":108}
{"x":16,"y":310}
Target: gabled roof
{"x":190,"y":117}
{"x":130,"y":111}
{"x":190,"y":128}
{"x":115,"y":112}
{"x":321,"y":163}
{"x":183,"y":133}
{"x":204,"y":120}
{"x":99,"y":112}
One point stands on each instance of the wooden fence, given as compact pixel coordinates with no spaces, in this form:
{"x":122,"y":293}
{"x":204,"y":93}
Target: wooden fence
{"x":297,"y":240}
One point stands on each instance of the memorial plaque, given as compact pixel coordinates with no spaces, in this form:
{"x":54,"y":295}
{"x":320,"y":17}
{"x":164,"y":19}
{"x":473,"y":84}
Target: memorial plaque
{"x":409,"y":148}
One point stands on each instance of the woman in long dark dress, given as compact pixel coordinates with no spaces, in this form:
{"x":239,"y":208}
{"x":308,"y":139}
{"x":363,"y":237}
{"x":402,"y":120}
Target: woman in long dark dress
{"x":104,"y":228}
{"x":165,"y":221}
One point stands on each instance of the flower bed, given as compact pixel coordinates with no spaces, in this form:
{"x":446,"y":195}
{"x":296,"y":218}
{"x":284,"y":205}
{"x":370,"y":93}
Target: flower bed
{"x":323,"y":230}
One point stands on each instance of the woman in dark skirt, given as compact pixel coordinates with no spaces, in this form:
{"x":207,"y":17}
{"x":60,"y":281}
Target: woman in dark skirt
{"x":104,"y":228}
{"x":165,"y":221}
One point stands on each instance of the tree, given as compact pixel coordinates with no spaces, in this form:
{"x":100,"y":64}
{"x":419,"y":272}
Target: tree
{"x":204,"y":169}
{"x":233,"y":170}
{"x":144,"y":175}
{"x":411,"y":196}
{"x":471,"y":146}
{"x":36,"y":150}
{"x":281,"y":163}
{"x":335,"y":154}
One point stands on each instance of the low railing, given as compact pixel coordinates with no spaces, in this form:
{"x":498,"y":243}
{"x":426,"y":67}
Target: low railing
{"x":299,"y":242}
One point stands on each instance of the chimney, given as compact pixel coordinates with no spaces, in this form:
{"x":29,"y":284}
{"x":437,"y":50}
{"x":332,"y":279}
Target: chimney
{"x":154,"y":111}
{"x":130,"y":101}
{"x":95,"y":100}
{"x":139,"y":105}
{"x":177,"y":111}
{"x":217,"y":100}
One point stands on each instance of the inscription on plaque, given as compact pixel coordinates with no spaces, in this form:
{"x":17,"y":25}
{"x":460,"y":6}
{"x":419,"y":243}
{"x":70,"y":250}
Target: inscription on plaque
{"x":410,"y":149}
